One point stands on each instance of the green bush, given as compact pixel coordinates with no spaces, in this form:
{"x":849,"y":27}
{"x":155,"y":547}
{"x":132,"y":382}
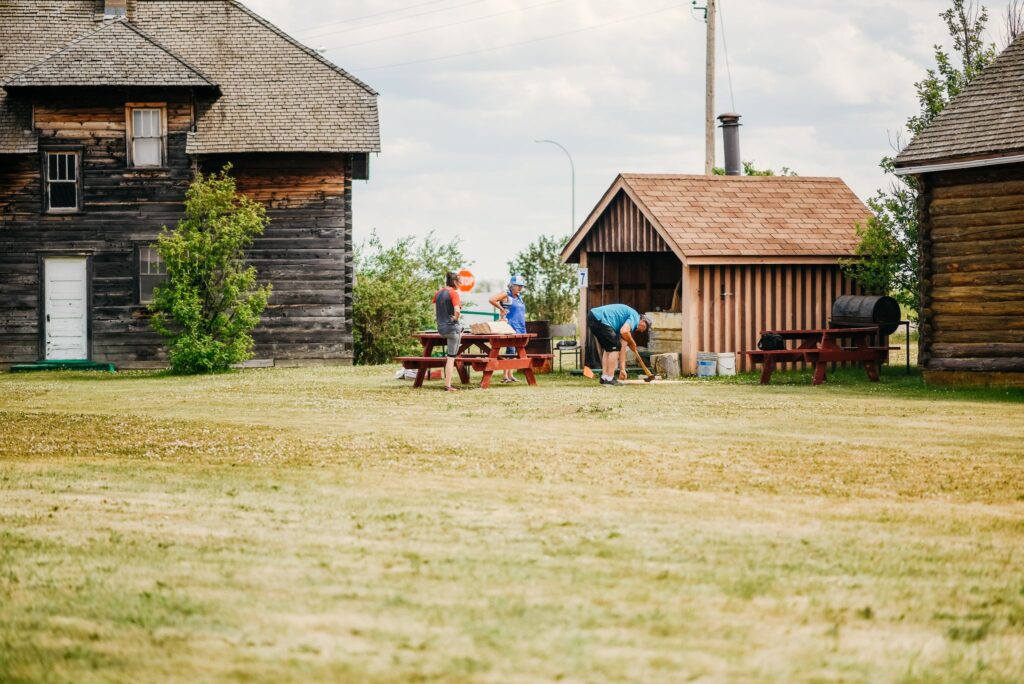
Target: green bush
{"x":210,"y":302}
{"x":393,"y":294}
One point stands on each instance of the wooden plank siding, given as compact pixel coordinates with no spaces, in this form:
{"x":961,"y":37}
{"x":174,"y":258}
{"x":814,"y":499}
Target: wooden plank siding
{"x":306,"y":252}
{"x":622,"y":227}
{"x":733,"y":304}
{"x":972,"y":279}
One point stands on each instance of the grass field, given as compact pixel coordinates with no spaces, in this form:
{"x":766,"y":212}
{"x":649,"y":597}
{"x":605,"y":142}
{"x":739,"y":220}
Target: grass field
{"x":335,"y":525}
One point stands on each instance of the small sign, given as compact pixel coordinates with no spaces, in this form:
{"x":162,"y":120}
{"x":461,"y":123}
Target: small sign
{"x":467,"y":281}
{"x":584,"y":276}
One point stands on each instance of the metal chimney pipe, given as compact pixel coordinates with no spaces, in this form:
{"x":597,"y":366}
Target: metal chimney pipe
{"x":731,"y":138}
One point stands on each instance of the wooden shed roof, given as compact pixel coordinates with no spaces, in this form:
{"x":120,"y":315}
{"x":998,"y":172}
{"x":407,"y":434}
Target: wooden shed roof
{"x":740,"y":216}
{"x":277,"y":95}
{"x":986,"y":120}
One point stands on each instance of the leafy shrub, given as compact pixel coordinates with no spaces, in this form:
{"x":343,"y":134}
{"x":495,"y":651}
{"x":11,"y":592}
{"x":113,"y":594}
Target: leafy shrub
{"x":210,"y":302}
{"x":393,"y":294}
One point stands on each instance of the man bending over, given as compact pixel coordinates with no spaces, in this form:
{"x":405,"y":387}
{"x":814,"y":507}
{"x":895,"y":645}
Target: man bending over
{"x":612,"y":325}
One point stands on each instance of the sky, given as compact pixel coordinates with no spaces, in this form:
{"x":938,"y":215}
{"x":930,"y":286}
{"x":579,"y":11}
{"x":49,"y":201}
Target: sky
{"x":467,"y":87}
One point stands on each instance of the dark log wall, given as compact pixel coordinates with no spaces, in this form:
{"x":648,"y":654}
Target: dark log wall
{"x":306,"y":252}
{"x":972,"y":285}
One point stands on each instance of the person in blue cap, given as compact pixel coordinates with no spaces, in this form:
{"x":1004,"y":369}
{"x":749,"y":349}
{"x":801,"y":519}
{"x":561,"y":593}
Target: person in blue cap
{"x":512,"y":308}
{"x":612,"y":325}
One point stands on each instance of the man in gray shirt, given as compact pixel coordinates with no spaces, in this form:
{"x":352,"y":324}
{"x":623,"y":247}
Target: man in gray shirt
{"x":448,"y":311}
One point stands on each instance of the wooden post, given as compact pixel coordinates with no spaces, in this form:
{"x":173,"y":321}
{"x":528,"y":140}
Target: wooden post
{"x":581,"y":315}
{"x":689,"y":320}
{"x":709,"y":105}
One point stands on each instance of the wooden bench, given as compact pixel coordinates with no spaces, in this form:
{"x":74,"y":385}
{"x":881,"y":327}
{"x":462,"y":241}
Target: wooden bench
{"x":822,"y":347}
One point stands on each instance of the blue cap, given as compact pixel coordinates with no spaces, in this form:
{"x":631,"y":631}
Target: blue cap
{"x":517,"y":280}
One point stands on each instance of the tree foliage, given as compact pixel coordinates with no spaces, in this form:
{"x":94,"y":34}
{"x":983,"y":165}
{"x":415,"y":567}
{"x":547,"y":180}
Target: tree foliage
{"x":552,"y":289}
{"x":393,"y":294}
{"x":210,"y":302}
{"x":890,"y":263}
{"x":750,"y":170}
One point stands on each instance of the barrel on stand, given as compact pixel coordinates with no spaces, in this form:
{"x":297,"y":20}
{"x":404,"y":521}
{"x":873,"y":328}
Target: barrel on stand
{"x":859,"y":311}
{"x":541,"y":344}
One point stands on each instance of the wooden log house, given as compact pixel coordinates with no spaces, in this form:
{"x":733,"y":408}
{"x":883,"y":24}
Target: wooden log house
{"x":969,"y":166}
{"x":108,"y":110}
{"x":734,"y":255}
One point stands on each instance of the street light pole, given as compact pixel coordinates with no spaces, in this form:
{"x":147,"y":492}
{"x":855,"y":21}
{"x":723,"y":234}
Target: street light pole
{"x":572,"y":168}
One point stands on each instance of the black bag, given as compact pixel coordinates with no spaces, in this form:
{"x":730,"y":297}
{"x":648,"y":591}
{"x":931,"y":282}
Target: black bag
{"x":771,"y":342}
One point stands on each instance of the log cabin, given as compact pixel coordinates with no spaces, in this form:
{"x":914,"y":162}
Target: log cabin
{"x":969,"y":169}
{"x":108,"y":110}
{"x":734,"y":255}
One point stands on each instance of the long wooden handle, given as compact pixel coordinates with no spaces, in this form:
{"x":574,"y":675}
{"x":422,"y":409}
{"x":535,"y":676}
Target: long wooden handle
{"x":642,"y":364}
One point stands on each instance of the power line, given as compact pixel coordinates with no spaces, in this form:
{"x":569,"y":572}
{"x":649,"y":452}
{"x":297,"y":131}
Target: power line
{"x":728,"y":67}
{"x":392,"y":21}
{"x":368,"y":16}
{"x":444,"y":26}
{"x":525,"y":42}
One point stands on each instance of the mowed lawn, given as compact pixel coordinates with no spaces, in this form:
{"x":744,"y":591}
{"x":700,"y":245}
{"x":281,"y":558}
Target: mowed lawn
{"x":335,"y":525}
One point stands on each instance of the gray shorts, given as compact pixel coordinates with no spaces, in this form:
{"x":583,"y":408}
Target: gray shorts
{"x":454,"y":340}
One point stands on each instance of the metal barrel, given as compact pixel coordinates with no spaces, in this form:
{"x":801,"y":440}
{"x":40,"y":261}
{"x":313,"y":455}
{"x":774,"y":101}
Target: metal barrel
{"x":851,"y":311}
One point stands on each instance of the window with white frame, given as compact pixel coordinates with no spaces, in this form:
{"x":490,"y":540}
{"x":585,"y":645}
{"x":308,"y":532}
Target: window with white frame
{"x":152,"y":272}
{"x":62,"y":179}
{"x":147,"y":136}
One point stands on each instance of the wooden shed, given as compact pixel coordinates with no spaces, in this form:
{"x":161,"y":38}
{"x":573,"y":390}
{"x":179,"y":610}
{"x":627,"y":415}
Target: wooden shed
{"x":734,"y":255}
{"x":969,"y":165}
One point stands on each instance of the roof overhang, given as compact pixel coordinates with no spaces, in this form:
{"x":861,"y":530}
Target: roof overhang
{"x":958,"y":165}
{"x":619,"y":184}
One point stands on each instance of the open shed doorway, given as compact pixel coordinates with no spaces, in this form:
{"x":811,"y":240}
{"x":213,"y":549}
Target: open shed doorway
{"x":648,"y":281}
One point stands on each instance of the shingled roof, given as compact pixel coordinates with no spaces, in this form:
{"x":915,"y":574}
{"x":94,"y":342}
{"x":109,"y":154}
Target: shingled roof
{"x":986,"y":120}
{"x":276,"y":94}
{"x":741,"y":216}
{"x":116,"y":54}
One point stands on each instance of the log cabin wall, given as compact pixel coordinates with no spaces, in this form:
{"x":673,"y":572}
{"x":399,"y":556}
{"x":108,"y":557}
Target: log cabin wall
{"x":972,"y":280}
{"x":306,"y":252}
{"x":733,"y":304}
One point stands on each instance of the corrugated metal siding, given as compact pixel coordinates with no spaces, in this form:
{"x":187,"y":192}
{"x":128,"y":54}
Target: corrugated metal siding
{"x":736,"y":303}
{"x":623,"y":228}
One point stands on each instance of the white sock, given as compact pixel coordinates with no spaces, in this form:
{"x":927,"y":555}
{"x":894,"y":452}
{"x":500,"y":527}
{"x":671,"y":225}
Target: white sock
{"x":606,"y":378}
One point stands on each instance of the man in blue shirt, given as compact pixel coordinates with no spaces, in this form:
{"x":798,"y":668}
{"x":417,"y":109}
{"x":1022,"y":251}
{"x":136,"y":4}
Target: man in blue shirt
{"x":612,"y":325}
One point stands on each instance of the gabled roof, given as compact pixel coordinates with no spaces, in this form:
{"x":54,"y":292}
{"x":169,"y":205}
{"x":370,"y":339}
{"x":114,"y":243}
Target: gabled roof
{"x":276,"y":94}
{"x":116,"y":54}
{"x":740,"y":216}
{"x":986,"y":120}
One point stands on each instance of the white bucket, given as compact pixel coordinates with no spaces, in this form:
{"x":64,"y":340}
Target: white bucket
{"x":727,"y":363}
{"x":707,"y":364}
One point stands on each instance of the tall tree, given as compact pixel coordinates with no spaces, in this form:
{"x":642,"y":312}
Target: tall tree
{"x":888,"y":260}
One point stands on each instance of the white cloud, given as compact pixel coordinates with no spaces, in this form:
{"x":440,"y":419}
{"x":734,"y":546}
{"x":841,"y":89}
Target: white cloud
{"x":820,"y":84}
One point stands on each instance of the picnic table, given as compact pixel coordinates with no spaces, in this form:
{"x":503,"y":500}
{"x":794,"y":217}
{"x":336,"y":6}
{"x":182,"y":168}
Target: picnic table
{"x":822,"y":347}
{"x":487,"y":359}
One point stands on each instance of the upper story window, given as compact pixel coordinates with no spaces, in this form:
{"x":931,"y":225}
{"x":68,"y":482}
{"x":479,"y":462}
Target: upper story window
{"x":62,"y":182}
{"x":152,"y":272}
{"x":146,"y":136}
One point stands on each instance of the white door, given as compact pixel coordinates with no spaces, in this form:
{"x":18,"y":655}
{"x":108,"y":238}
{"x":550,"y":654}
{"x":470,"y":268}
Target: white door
{"x":67,"y":308}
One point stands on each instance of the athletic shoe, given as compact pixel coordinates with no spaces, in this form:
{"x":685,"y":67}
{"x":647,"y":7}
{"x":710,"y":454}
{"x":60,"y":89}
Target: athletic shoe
{"x":613,"y":382}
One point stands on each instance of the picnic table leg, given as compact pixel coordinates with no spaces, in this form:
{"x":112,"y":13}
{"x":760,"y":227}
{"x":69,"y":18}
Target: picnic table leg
{"x":820,"y":373}
{"x":766,"y":370}
{"x":463,"y":373}
{"x":485,"y":382}
{"x":421,"y":373}
{"x":872,"y":368}
{"x":528,"y":371}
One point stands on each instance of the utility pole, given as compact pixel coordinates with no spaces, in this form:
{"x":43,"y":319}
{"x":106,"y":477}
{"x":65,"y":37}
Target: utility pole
{"x":709,"y":104}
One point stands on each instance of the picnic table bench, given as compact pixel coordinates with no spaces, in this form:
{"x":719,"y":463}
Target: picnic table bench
{"x":822,"y":347}
{"x":488,"y":359}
